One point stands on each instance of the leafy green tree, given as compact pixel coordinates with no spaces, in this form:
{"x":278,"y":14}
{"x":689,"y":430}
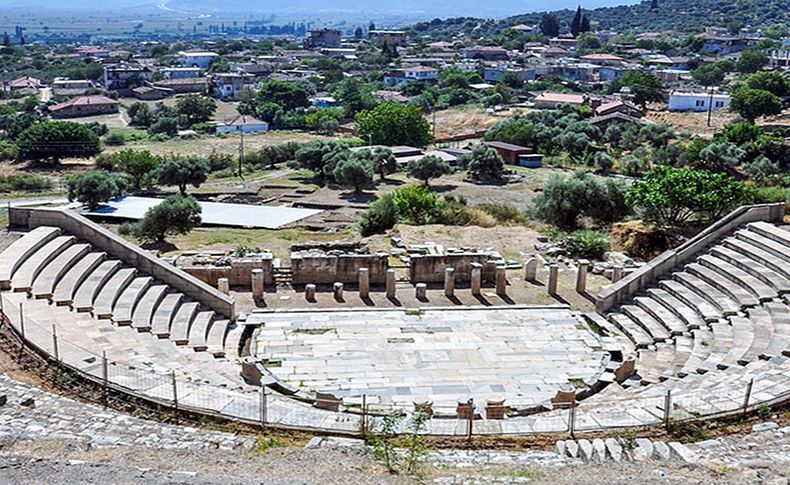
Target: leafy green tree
{"x":383,"y":161}
{"x":354,"y":96}
{"x":514,"y":131}
{"x":645,"y":87}
{"x":485,"y":164}
{"x":140,"y":114}
{"x":139,"y":165}
{"x":673,"y":196}
{"x":549,"y":25}
{"x":181,"y":172}
{"x":771,"y":81}
{"x":286,"y":95}
{"x":95,"y":187}
{"x":603,"y":162}
{"x":355,"y":171}
{"x":657,"y":134}
{"x":740,"y":133}
{"x":177,"y":214}
{"x":393,"y":124}
{"x":57,"y":139}
{"x":196,"y":108}
{"x":751,"y":60}
{"x":709,"y":74}
{"x":427,"y":168}
{"x":754,"y":103}
{"x":164,"y":126}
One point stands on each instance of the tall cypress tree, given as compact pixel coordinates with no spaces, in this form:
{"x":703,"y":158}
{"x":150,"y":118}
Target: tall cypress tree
{"x":585,"y":25}
{"x":576,"y":24}
{"x":654,"y":5}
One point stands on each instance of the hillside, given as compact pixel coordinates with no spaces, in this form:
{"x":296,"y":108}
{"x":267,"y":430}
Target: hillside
{"x":682,"y":15}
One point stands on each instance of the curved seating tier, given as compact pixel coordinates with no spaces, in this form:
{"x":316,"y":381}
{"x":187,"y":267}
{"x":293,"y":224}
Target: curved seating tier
{"x":57,"y":269}
{"x":726,"y":309}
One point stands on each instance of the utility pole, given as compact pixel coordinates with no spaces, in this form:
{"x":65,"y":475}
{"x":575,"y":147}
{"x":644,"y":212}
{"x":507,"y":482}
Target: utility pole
{"x":241,"y":151}
{"x":710,"y":106}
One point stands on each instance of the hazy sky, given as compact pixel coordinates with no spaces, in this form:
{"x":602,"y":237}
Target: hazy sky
{"x":426,"y":8}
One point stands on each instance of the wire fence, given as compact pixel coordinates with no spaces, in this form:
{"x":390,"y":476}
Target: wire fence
{"x":722,"y":394}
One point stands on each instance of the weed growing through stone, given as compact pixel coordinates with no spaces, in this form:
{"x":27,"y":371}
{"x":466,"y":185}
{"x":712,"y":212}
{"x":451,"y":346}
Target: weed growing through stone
{"x":384,"y":440}
{"x":415,"y":444}
{"x":264,"y":444}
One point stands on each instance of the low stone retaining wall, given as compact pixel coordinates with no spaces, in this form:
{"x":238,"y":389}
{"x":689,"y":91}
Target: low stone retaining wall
{"x":663,"y":264}
{"x":104,"y":240}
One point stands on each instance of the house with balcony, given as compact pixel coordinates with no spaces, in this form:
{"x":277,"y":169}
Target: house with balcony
{"x":232,"y":85}
{"x":124,"y":77}
{"x":411,"y":74}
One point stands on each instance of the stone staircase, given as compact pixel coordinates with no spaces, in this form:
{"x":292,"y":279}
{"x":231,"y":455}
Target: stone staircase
{"x":53,"y":268}
{"x":619,"y":450}
{"x":723,"y":310}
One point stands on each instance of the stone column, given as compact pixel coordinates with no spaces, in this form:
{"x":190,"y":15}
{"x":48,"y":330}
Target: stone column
{"x":309,"y":292}
{"x":420,"y":289}
{"x":501,"y":281}
{"x":257,"y":284}
{"x":477,"y":278}
{"x":449,"y":282}
{"x":617,"y":273}
{"x":338,"y":289}
{"x":390,"y":283}
{"x":223,"y":285}
{"x":554,"y":272}
{"x":531,"y":269}
{"x":581,"y":276}
{"x":495,"y":407}
{"x":364,"y":283}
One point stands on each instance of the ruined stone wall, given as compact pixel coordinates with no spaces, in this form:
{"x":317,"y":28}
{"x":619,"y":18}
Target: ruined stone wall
{"x":429,"y":268}
{"x":238,"y":270}
{"x":325,"y":269}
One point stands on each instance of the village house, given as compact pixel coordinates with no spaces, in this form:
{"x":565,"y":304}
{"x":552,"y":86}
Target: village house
{"x":390,"y":38}
{"x":603,"y":59}
{"x":151,"y":93}
{"x":510,"y":153}
{"x":84,"y":106}
{"x":180,"y":72}
{"x":257,"y":68}
{"x":26,"y":86}
{"x":180,"y":86}
{"x":697,"y":101}
{"x":564,"y":42}
{"x":485,"y":53}
{"x":779,"y":59}
{"x":242,"y":124}
{"x":323,"y":38}
{"x":726,"y":45}
{"x":526,"y":29}
{"x":410,"y":74}
{"x":66,"y":88}
{"x":232,"y":85}
{"x":197,"y":58}
{"x":553,"y":100}
{"x":123,"y":77}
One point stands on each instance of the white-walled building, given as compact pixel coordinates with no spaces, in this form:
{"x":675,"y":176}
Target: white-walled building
{"x":697,"y":101}
{"x":201,"y":59}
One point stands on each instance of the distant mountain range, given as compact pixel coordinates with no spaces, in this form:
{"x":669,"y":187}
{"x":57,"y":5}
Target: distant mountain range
{"x":412,"y":8}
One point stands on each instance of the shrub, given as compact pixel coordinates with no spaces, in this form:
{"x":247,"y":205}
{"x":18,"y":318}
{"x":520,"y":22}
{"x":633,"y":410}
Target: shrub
{"x":114,"y":139}
{"x":587,"y":244}
{"x":8,"y":150}
{"x":139,"y":165}
{"x":603,"y":162}
{"x":177,"y":214}
{"x":416,"y":205}
{"x":565,"y":199}
{"x":503,"y":213}
{"x":380,"y":217}
{"x":24,"y":182}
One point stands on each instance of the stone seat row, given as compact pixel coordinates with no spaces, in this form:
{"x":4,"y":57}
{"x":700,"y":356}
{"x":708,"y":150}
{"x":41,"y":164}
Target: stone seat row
{"x":726,"y":308}
{"x":47,"y":265}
